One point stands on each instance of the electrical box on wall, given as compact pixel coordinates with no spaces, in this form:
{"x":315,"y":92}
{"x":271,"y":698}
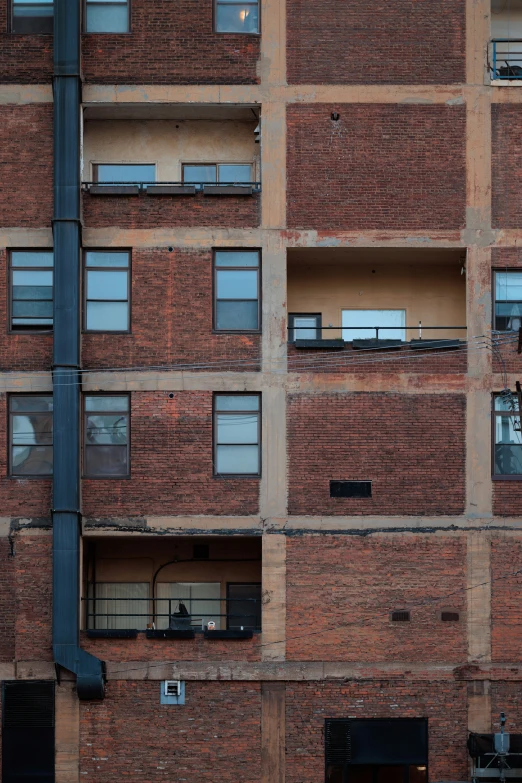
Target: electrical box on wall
{"x":172,"y":692}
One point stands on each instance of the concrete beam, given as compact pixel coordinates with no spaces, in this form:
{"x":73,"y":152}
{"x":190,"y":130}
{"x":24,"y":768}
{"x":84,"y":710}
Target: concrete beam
{"x":479,"y":597}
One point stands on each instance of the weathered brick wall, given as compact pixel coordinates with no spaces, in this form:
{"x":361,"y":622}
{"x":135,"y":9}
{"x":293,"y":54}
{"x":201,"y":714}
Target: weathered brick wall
{"x":171,"y":464}
{"x":26,"y":199}
{"x":20,"y":497}
{"x":171,"y":318}
{"x":24,"y":59}
{"x":401,"y":360}
{"x":405,"y":42}
{"x":506,"y":598}
{"x":505,"y":697}
{"x":7,"y":602}
{"x":33,"y":587}
{"x":378,"y":166}
{"x":130,"y":735}
{"x":507,"y":498}
{"x":344,"y":588}
{"x":197,"y":649}
{"x":443,"y":703}
{"x":170,"y":211}
{"x":506,"y":165}
{"x":411,"y":446}
{"x":171,"y":43}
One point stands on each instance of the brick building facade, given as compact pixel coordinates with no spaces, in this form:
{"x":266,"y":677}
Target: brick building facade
{"x":297,"y":309}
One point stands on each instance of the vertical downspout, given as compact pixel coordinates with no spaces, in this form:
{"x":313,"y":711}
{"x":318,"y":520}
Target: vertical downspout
{"x":66,"y":360}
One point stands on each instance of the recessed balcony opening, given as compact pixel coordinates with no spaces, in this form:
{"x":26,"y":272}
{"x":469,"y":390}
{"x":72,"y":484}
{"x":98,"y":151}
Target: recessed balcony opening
{"x":506,"y":40}
{"x":171,"y":150}
{"x":172,"y":587}
{"x":376,"y":299}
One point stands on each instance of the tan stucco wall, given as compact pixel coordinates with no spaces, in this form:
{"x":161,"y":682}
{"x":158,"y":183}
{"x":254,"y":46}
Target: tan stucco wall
{"x":433,"y":292}
{"x":506,"y":19}
{"x":168,"y":144}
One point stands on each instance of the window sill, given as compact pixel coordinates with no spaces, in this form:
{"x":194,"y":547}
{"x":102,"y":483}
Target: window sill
{"x":114,"y":190}
{"x":229,"y":476}
{"x":517,"y":477}
{"x":336,"y":345}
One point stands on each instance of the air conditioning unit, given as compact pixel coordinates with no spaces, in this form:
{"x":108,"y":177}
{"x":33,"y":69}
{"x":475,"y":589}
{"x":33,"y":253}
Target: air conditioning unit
{"x":172,"y":688}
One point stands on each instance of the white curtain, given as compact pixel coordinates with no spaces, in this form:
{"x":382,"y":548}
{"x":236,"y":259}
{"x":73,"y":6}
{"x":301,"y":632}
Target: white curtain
{"x":202,"y":600}
{"x":119,"y":605}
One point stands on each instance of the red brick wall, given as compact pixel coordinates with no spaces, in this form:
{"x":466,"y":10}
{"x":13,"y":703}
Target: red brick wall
{"x":400,"y":360}
{"x":26,"y":165}
{"x":197,"y":649}
{"x":171,"y":318}
{"x":411,"y":446}
{"x":507,"y":498}
{"x":33,"y":586}
{"x":24,"y":59}
{"x":171,"y":43}
{"x":344,"y":588}
{"x":170,"y":211}
{"x":505,"y":697}
{"x":379,"y":166}
{"x":443,"y":703}
{"x":506,"y":598}
{"x":171,"y":464}
{"x":405,"y":42}
{"x":215,"y":735}
{"x":506,"y":165}
{"x":7,"y":603}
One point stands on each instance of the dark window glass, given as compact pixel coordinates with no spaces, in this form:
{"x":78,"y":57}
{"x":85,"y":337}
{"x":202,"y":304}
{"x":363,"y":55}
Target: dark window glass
{"x":507,"y":437}
{"x":107,"y":16}
{"x":106,"y":436}
{"x":304,"y":326}
{"x":237,"y":17}
{"x":127,"y":173}
{"x":107,"y":284}
{"x":214,"y":173}
{"x":31,"y":435}
{"x":237,"y":434}
{"x":28,"y":740}
{"x":244,"y":606}
{"x":32,"y":17}
{"x":236,"y":285}
{"x":31,"y":289}
{"x":508,"y":301}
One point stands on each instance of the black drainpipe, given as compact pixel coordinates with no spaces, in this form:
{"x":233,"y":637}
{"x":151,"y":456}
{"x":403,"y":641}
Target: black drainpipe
{"x":66,"y":362}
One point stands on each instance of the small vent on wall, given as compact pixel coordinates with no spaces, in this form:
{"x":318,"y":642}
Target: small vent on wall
{"x":350,"y":489}
{"x":201,"y":551}
{"x":400,"y":616}
{"x":448,"y":616}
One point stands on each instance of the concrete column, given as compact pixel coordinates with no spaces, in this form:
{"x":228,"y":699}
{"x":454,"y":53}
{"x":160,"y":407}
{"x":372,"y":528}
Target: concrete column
{"x":274,"y":597}
{"x":479,"y":597}
{"x":67,"y":733}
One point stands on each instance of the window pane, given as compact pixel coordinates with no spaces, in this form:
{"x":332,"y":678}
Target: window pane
{"x":30,"y":404}
{"x":366,"y":320}
{"x":502,"y":404}
{"x":237,"y":316}
{"x":237,"y":459}
{"x":334,"y":775}
{"x":32,"y":309}
{"x":242,"y":258}
{"x":106,"y":460}
{"x":33,"y":21}
{"x":107,"y":285}
{"x":505,"y":430}
{"x":119,"y":605}
{"x":32,"y":429}
{"x":237,"y":429}
{"x":508,"y":286}
{"x":237,"y":402}
{"x":305,"y":327}
{"x":508,"y":459}
{"x":100,"y":403}
{"x":32,"y":322}
{"x":240,"y":18}
{"x":195,"y":173}
{"x":30,"y":258}
{"x":133,"y":173}
{"x":508,"y":316}
{"x":106,"y":430}
{"x":29,"y":292}
{"x":107,"y":316}
{"x":236,"y":285}
{"x":93,"y":258}
{"x":32,"y":460}
{"x":244,"y":606}
{"x":230,"y":173}
{"x":33,"y":8}
{"x":201,"y":599}
{"x":107,"y":18}
{"x":32,"y":278}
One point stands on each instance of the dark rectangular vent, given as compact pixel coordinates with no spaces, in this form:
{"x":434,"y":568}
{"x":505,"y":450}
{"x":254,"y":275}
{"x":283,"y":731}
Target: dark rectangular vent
{"x":400,"y":616}
{"x":449,"y":617}
{"x":350,"y":489}
{"x":28,"y":704}
{"x":201,"y":552}
{"x":338,"y":742}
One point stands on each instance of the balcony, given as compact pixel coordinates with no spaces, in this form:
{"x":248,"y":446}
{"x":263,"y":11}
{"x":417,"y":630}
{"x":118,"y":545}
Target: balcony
{"x":505,"y":52}
{"x":152,"y":166}
{"x":366,"y":310}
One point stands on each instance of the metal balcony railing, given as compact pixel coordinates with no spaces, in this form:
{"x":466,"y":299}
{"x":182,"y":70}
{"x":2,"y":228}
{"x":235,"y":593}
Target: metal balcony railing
{"x":172,"y":613}
{"x":506,"y":58}
{"x":371,"y":332}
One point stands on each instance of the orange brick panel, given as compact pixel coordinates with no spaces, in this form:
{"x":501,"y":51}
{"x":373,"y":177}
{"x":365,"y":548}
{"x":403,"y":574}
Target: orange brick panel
{"x":33,"y":586}
{"x":344,"y":588}
{"x":405,"y":42}
{"x":216,"y":734}
{"x":171,"y":465}
{"x":378,"y":167}
{"x":506,"y":165}
{"x":506,"y":599}
{"x":412,"y":447}
{"x":172,"y":319}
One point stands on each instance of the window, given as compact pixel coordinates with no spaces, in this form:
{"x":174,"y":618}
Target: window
{"x":236,"y":287}
{"x":31,"y":435}
{"x":508,"y":301}
{"x":507,"y":438}
{"x":128,"y":173}
{"x":304,"y":326}
{"x":237,"y":434}
{"x":244,"y":606}
{"x":107,"y":16}
{"x":360,"y":324}
{"x":28,"y":739}
{"x":233,"y":16}
{"x":217,"y":173}
{"x":202,"y":600}
{"x":106,"y":285}
{"x":106,"y":436}
{"x":114,"y":605}
{"x":31,"y":274}
{"x":33,"y":16}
